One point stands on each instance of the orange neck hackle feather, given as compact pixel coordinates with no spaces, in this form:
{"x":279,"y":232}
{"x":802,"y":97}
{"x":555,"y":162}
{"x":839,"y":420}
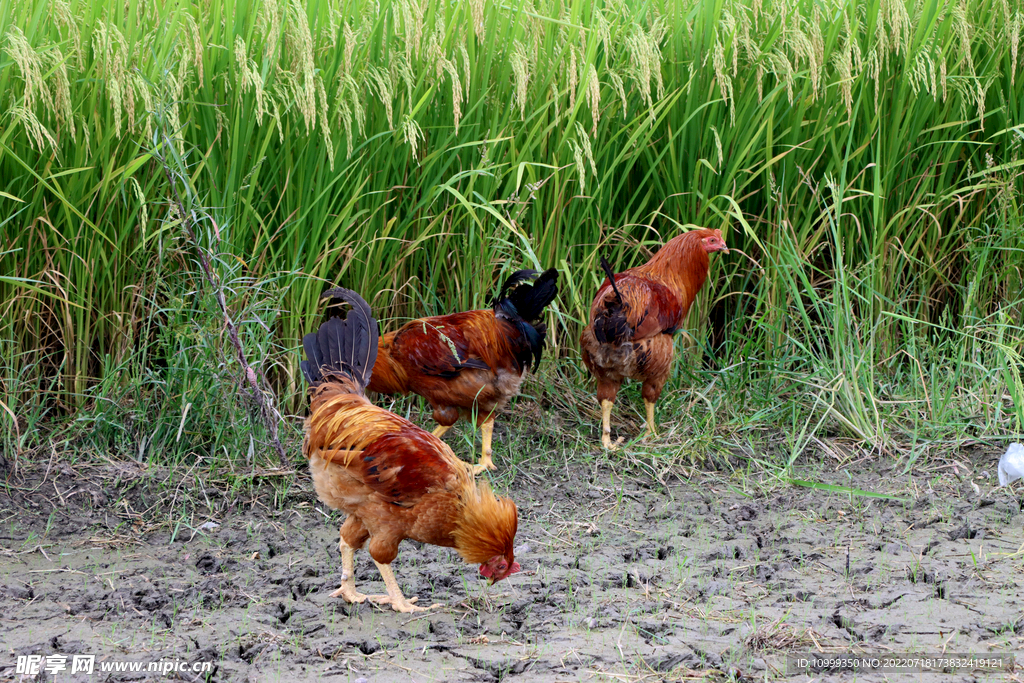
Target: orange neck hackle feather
{"x":486,"y":525}
{"x":341,"y":423}
{"x":681,"y":254}
{"x":682,"y":263}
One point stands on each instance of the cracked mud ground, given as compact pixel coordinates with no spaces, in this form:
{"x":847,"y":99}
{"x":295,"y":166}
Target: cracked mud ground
{"x":624,"y":578}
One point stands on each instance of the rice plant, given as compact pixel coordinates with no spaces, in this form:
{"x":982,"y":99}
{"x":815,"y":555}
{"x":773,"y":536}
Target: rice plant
{"x":865,"y":155}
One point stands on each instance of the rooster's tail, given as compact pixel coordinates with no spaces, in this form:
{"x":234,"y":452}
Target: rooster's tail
{"x":343,"y":349}
{"x":610,"y":325}
{"x":522,"y":305}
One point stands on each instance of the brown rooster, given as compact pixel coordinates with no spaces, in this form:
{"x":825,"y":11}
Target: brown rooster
{"x":634,"y":316}
{"x":469,"y":364}
{"x":394,"y":479}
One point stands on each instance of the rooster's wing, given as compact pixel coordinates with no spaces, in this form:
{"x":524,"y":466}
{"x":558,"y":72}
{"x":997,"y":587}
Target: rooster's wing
{"x":437,"y":347}
{"x":394,"y":459}
{"x":402,"y":467}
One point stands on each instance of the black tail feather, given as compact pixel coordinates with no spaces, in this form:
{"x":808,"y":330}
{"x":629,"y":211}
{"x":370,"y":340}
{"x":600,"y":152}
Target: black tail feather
{"x":610,"y":324}
{"x":607,"y":268}
{"x":523,"y":304}
{"x":530,"y":300}
{"x":347,"y":345}
{"x":516,"y":278}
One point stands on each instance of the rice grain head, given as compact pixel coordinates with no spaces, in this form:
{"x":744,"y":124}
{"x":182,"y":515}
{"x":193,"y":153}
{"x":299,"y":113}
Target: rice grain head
{"x":620,"y":90}
{"x":346,"y":118}
{"x":724,"y":80}
{"x":61,"y":85}
{"x":981,"y":86}
{"x":728,"y":28}
{"x":581,"y":170}
{"x":191,"y":30}
{"x":349,"y":38}
{"x":325,"y":127}
{"x":299,"y":42}
{"x":655,"y":35}
{"x":106,"y":56}
{"x":841,"y":62}
{"x":817,"y":51}
{"x":268,"y":21}
{"x":962,"y":27}
{"x":358,"y":109}
{"x":30,"y":65}
{"x":435,"y":49}
{"x":412,"y":134}
{"x":144,"y":214}
{"x":520,"y":63}
{"x":584,"y":141}
{"x":412,"y":23}
{"x":453,"y":73}
{"x":803,"y":50}
{"x":594,"y":96}
{"x":381,"y":79}
{"x":69,"y":28}
{"x":900,"y":25}
{"x":467,"y":72}
{"x":783,"y":71}
{"x":604,"y":33}
{"x":249,"y":78}
{"x":918,"y":75}
{"x":275,"y":113}
{"x":476,"y":13}
{"x":1014,"y":28}
{"x":404,"y":69}
{"x":718,"y":149}
{"x":640,"y":63}
{"x":39,"y":136}
{"x":171,"y":96}
{"x":573,"y":77}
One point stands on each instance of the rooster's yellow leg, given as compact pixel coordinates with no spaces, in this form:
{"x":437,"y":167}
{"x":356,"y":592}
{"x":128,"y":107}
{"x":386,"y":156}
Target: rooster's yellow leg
{"x":439,"y":430}
{"x":606,"y":425}
{"x":394,"y":596}
{"x":487,"y":432}
{"x":348,"y":575}
{"x":652,"y":429}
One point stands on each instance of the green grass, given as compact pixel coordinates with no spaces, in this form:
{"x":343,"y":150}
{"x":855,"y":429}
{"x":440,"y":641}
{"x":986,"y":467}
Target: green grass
{"x":864,"y":156}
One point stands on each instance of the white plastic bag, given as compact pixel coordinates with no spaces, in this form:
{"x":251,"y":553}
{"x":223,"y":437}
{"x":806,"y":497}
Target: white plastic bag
{"x":1011,"y":465}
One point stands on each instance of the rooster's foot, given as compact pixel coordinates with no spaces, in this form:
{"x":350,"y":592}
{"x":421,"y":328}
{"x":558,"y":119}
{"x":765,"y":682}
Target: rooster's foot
{"x":401,"y":604}
{"x":485,"y":464}
{"x":350,"y":594}
{"x":606,"y":441}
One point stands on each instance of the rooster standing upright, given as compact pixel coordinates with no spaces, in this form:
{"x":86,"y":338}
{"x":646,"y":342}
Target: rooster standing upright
{"x":634,"y":316}
{"x":394,"y":480}
{"x":469,"y":364}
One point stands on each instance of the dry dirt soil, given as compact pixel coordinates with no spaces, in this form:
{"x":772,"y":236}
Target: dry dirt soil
{"x":700,"y":576}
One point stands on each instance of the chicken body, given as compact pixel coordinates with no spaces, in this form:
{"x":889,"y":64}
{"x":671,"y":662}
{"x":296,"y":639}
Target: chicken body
{"x":632,"y":321}
{"x":394,"y":480}
{"x":469,"y":365}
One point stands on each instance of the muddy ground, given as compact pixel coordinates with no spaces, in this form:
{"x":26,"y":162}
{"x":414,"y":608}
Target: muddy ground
{"x":704,"y":575}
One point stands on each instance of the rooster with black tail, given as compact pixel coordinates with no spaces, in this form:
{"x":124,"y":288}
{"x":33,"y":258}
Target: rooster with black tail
{"x":635,"y":315}
{"x":470,"y":364}
{"x":394,"y":480}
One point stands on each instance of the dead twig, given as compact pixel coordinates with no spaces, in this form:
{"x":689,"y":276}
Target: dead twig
{"x":261,"y":394}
